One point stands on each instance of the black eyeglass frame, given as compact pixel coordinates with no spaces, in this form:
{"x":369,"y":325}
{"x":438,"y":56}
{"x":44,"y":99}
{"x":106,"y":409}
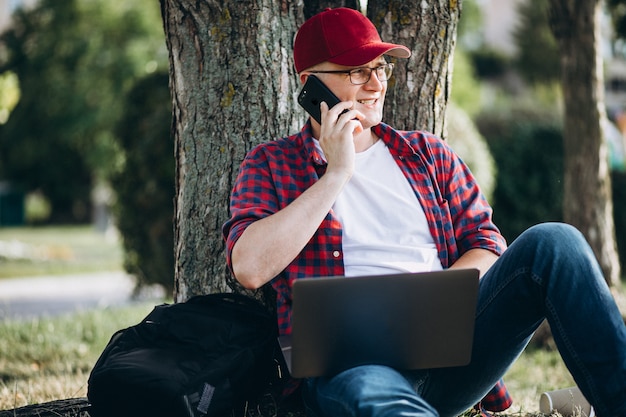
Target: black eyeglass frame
{"x":350,"y":72}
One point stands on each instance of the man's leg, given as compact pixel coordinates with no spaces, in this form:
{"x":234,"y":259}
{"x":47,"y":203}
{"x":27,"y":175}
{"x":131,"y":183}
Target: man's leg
{"x":366,"y":391}
{"x":551,"y":272}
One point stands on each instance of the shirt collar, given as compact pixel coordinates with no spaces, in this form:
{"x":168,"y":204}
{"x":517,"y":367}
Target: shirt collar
{"x":308,"y":143}
{"x":395,"y":140}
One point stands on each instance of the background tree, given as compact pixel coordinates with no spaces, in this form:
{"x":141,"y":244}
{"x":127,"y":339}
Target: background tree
{"x":617,"y":10}
{"x":312,"y":7}
{"x":144,"y":183}
{"x":9,"y":86}
{"x":537,"y":59}
{"x":74,"y":60}
{"x":587,"y":202}
{"x":424,"y":80}
{"x":233,"y":86}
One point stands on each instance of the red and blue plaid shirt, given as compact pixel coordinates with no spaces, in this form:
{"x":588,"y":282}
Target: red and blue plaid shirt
{"x":275,"y":173}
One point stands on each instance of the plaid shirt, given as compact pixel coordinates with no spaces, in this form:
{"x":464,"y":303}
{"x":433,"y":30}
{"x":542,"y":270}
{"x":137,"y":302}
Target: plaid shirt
{"x":275,"y":173}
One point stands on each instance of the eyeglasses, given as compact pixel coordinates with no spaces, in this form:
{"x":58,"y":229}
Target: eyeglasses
{"x":362,"y":75}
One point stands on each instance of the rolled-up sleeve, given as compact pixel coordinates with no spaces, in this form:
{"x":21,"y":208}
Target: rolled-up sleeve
{"x":470,"y":212}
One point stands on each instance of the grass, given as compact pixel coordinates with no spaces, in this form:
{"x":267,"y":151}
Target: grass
{"x":50,"y":358}
{"x":55,"y":250}
{"x":46,"y":359}
{"x":536,"y":371}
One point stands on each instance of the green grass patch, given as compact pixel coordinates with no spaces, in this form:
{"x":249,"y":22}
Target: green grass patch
{"x":46,"y":359}
{"x":57,"y":250}
{"x":536,"y":371}
{"x":50,"y":358}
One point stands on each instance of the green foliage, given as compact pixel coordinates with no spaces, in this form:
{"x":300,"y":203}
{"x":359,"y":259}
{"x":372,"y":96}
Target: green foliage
{"x":538,"y":56}
{"x":470,"y":27}
{"x":9,"y":94}
{"x":489,"y":63}
{"x":482,"y":62}
{"x":145,"y":183}
{"x":617,"y":9}
{"x":36,"y":208}
{"x":618,"y":183}
{"x":465,"y":139}
{"x":62,"y":345}
{"x":527,"y":146}
{"x":466,"y":88}
{"x":74,"y":59}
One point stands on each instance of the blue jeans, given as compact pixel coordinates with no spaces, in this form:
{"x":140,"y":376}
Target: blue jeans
{"x":548,"y":272}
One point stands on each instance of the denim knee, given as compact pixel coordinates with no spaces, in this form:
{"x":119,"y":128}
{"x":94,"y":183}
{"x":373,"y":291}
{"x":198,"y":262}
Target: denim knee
{"x":554,"y":234}
{"x":368,"y":390}
{"x":558,"y":244}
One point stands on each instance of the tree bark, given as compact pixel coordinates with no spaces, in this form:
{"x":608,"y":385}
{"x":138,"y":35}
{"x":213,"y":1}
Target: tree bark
{"x":70,"y":407}
{"x":233,"y":86}
{"x":587,"y":200}
{"x":313,"y":7}
{"x":419,"y":91}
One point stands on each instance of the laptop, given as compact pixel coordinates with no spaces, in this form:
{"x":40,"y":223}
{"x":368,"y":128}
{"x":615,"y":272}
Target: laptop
{"x":406,"y":321}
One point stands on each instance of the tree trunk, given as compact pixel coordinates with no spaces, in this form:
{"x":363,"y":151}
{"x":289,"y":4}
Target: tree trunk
{"x":419,"y":91}
{"x":587,"y":199}
{"x":313,"y":7}
{"x":70,"y":407}
{"x":233,"y":86}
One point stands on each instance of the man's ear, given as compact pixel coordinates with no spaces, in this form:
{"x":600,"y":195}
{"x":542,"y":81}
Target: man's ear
{"x":303,"y":77}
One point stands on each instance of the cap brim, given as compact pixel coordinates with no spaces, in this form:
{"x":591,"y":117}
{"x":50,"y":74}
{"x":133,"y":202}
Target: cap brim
{"x":369,"y":52}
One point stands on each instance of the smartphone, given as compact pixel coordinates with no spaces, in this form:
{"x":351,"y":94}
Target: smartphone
{"x":312,"y":95}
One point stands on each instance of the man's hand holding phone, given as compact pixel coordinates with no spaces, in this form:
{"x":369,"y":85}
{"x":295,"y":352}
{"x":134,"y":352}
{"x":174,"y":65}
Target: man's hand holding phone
{"x":313,"y":94}
{"x":339,"y":123}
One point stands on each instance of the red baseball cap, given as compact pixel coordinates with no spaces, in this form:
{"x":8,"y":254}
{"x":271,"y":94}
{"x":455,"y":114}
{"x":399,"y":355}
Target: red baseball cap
{"x":342,"y":36}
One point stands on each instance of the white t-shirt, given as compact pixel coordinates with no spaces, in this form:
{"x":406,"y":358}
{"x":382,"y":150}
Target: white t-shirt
{"x":384,"y":226}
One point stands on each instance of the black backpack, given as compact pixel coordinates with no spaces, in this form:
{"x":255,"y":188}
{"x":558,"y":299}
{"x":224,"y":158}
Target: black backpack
{"x":204,"y":357}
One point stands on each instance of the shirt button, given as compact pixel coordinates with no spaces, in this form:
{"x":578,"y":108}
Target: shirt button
{"x":336,"y":254}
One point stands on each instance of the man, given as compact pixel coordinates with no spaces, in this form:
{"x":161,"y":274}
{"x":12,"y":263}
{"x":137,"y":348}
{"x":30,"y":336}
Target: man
{"x":353,"y":196}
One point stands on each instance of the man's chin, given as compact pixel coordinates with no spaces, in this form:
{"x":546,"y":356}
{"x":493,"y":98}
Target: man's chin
{"x":370,"y":122}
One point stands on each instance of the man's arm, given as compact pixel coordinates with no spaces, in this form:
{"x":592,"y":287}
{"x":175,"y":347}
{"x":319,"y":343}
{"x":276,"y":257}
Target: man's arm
{"x":480,"y":259}
{"x":268,"y":245}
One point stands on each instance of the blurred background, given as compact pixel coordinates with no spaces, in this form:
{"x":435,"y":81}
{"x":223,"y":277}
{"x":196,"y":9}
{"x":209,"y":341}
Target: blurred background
{"x":85,"y":141}
{"x":86,"y":152}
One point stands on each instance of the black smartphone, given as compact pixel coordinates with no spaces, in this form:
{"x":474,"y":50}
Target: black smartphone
{"x":312,"y":95}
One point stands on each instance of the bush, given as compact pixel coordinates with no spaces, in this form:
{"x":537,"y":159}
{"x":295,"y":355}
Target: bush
{"x":145,"y":183}
{"x":527,"y":146}
{"x":465,"y":139}
{"x":618,"y":181}
{"x":489,"y":63}
{"x":528,"y":150}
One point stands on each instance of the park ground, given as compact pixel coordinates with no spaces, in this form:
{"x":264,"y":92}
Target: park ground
{"x":49,"y":357}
